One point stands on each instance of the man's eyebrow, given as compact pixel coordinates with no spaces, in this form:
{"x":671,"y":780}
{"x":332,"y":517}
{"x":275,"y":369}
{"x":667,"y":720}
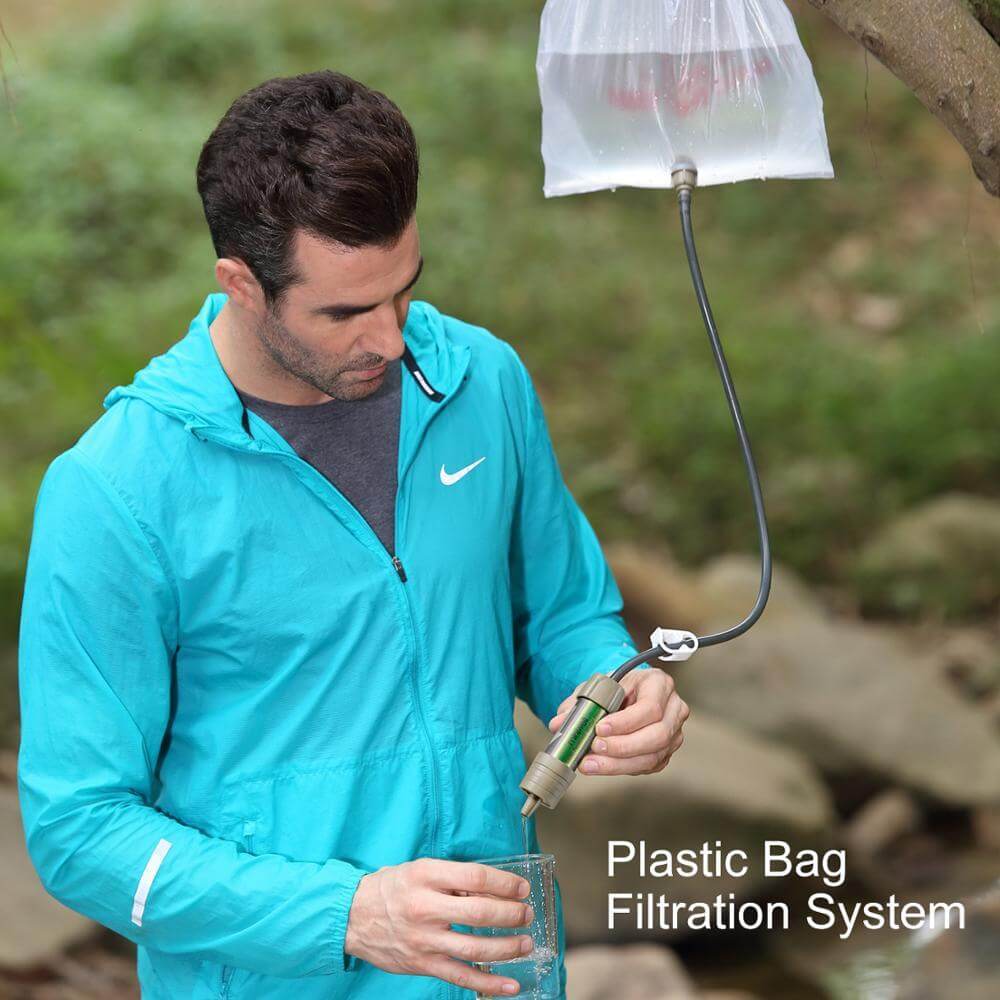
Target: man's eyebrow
{"x":344,"y":311}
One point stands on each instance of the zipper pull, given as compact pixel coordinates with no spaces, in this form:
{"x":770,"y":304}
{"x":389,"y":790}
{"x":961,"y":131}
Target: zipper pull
{"x":398,"y":564}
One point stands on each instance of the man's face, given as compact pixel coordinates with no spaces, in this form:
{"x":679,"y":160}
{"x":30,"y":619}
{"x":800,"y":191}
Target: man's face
{"x":338,"y":327}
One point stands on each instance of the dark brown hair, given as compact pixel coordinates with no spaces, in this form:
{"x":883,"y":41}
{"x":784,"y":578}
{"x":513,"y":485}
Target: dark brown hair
{"x":320,"y":152}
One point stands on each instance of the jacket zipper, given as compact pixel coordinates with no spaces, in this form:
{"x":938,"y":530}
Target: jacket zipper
{"x":418,"y":707}
{"x":375,"y":543}
{"x":249,"y":826}
{"x":414,"y":681}
{"x":398,"y":563}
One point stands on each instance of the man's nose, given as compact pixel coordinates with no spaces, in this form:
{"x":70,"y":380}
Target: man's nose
{"x":384,"y":336}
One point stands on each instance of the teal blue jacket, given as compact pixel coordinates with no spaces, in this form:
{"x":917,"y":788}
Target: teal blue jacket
{"x":235,"y":704}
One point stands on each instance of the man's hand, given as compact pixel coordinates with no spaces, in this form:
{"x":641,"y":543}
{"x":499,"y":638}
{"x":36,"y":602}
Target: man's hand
{"x":401,"y":918}
{"x":642,"y":736}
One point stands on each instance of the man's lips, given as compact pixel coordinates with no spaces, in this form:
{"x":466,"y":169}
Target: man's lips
{"x":369,"y":373}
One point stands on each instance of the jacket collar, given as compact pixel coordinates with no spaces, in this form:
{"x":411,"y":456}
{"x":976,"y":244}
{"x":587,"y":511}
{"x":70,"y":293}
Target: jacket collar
{"x":189,"y":383}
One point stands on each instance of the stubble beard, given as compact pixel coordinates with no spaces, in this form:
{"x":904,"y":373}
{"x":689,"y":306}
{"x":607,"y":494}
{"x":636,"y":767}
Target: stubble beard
{"x":299,"y":361}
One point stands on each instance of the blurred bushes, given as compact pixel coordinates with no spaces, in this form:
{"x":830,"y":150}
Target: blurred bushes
{"x":179,"y":45}
{"x":845,"y":307}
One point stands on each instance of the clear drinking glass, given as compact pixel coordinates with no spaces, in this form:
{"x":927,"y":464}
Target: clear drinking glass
{"x":537,"y":972}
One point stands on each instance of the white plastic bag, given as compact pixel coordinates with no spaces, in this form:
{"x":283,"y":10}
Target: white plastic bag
{"x":630,"y":87}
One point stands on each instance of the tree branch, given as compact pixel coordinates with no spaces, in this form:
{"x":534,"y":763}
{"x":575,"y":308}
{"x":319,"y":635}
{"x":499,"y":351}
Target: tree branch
{"x":945,"y":56}
{"x":8,"y":96}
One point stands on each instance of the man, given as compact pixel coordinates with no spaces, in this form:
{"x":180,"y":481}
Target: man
{"x":281,"y":596}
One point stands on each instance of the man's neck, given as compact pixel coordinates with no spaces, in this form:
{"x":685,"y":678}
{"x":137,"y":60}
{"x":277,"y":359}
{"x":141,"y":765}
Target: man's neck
{"x":251,"y":369}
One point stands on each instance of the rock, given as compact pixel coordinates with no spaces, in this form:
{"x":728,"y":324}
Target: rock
{"x":652,"y":972}
{"x":970,"y":658}
{"x":878,"y":313}
{"x":655,"y":591}
{"x":34,"y":927}
{"x":991,"y":706}
{"x":723,"y":785}
{"x":849,"y":255}
{"x":941,"y":559}
{"x":880,"y":822}
{"x":631,"y":972}
{"x":959,"y":962}
{"x":986,"y":827}
{"x":854,"y":699}
{"x":728,"y":586}
{"x":8,"y":767}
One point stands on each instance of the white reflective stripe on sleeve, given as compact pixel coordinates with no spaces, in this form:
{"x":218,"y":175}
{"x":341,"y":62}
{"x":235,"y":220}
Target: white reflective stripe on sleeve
{"x":149,"y":873}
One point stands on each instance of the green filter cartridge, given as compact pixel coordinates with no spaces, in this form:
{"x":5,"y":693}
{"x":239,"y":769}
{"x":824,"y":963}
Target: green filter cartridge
{"x":554,"y":768}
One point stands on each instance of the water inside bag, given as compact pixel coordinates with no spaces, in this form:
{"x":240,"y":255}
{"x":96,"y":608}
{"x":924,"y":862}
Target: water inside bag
{"x":630,"y":89}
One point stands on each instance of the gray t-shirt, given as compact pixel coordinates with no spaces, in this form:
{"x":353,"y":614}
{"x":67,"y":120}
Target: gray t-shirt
{"x":354,"y":443}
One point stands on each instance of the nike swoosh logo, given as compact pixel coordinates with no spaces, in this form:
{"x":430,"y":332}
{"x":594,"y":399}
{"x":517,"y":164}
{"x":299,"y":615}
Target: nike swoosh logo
{"x":450,"y":478}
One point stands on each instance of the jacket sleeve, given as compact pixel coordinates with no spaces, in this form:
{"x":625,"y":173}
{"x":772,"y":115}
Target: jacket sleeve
{"x":567,"y":606}
{"x":98,"y":636}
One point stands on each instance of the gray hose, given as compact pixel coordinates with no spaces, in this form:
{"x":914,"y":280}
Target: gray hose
{"x":684,"y":202}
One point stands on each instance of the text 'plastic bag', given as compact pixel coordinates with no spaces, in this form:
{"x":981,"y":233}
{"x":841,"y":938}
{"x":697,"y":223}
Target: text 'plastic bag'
{"x":631,"y":87}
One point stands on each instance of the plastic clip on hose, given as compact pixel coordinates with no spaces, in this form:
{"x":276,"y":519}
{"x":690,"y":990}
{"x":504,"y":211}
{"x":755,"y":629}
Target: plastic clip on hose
{"x":553,"y":770}
{"x":676,"y":643}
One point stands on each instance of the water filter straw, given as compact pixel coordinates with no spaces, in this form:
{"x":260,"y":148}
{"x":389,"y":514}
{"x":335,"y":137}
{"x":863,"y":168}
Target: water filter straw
{"x":552,"y":771}
{"x":631,"y":88}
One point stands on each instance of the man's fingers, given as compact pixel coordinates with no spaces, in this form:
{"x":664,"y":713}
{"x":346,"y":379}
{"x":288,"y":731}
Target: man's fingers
{"x":676,"y":713}
{"x":682,"y":708}
{"x":646,"y":703}
{"x":652,"y":692}
{"x":631,"y":719}
{"x":650,"y":739}
{"x":632,"y":682}
{"x":468,"y":978}
{"x":473,"y":877}
{"x":480,"y":948}
{"x":483,"y":911}
{"x":643,"y":764}
{"x":563,"y":710}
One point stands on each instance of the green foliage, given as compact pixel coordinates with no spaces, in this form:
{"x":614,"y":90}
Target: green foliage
{"x":105,"y":259}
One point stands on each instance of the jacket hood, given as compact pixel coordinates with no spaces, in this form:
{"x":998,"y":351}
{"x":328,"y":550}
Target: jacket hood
{"x":188,"y":381}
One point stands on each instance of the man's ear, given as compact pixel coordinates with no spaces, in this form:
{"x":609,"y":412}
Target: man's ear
{"x":239,"y":283}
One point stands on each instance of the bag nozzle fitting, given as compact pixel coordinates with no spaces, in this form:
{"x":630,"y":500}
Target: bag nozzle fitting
{"x":684,"y":176}
{"x":553,"y":770}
